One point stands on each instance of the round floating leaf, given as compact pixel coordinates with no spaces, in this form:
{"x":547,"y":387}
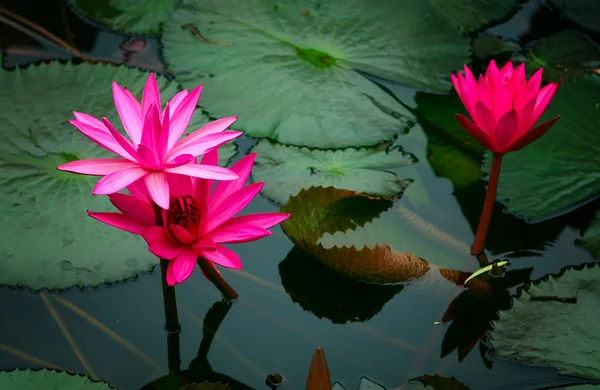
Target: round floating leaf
{"x":561,"y":168}
{"x":564,"y":56}
{"x":583,"y":12}
{"x":138,"y":17}
{"x":436,"y":382}
{"x":555,"y":323}
{"x":473,"y":14}
{"x":48,"y":240}
{"x":47,"y":380}
{"x":591,"y":237}
{"x":308,"y":56}
{"x":487,"y":45}
{"x":288,"y":169}
{"x":206,"y":386}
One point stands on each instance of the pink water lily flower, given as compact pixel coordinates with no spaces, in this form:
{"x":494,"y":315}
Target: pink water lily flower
{"x":198,"y":222}
{"x":154,"y":148}
{"x":504,"y":106}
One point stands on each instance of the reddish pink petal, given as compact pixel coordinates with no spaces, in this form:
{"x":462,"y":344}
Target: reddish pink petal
{"x":525,"y":116}
{"x":236,"y":233}
{"x":532,"y":135}
{"x":222,"y":256}
{"x":232,"y":205}
{"x":158,"y":188}
{"x":198,"y":146}
{"x":204,"y":172}
{"x":118,"y":180}
{"x":184,"y":264}
{"x":205,"y":243}
{"x":129,"y":112}
{"x":518,"y":82}
{"x":492,"y":73}
{"x":101,"y":136}
{"x":484,"y":119}
{"x":151,"y":131}
{"x":502,"y":101}
{"x":151,"y":94}
{"x":543,"y":99}
{"x":181,"y":117}
{"x":203,"y":186}
{"x":470,"y":82}
{"x":124,"y":143}
{"x":477,"y":133}
{"x":97,"y":166}
{"x":456,"y":86}
{"x":138,"y":189}
{"x":506,"y":71}
{"x":468,"y":96}
{"x":506,"y":129}
{"x":136,"y":209}
{"x":180,"y":185}
{"x":484,"y":92}
{"x":163,"y":138}
{"x":161,"y":244}
{"x":531,"y":89}
{"x":263,"y":220}
{"x":119,"y":221}
{"x":226,"y":188}
{"x":176,"y":101}
{"x":170,"y":276}
{"x":181,"y":235}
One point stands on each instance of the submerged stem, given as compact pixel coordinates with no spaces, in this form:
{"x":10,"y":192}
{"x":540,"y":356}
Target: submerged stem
{"x":215,"y":277}
{"x":488,"y":206}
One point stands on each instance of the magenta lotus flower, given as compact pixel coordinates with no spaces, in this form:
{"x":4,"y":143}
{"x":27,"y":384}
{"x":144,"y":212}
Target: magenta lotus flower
{"x":504,"y":106}
{"x":153,"y":149}
{"x":198,"y":222}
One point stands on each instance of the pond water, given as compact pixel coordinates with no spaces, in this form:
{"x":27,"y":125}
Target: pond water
{"x":289,"y":305}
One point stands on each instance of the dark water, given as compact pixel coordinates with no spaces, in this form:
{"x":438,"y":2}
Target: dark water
{"x":268,"y":330}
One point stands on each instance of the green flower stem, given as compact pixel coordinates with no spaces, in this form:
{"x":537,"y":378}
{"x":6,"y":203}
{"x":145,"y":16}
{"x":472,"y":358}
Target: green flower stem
{"x":488,"y":206}
{"x":215,"y":277}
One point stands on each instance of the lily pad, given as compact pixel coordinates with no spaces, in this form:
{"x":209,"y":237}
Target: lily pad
{"x":554,"y":323}
{"x":47,"y":380}
{"x":49,"y":240}
{"x":309,"y":56}
{"x":288,"y":169}
{"x":133,"y":16}
{"x":487,"y":45}
{"x":591,"y":237}
{"x":564,"y":56}
{"x":561,"y":169}
{"x":206,"y":386}
{"x":583,"y":12}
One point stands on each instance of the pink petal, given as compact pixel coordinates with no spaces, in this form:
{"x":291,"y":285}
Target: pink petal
{"x":136,"y":103}
{"x":530,"y":91}
{"x":181,"y":235}
{"x":136,"y":209}
{"x":263,"y":220}
{"x":163,"y":138}
{"x":97,"y":166}
{"x":236,"y":233}
{"x":151,"y":94}
{"x":119,"y":221}
{"x":506,"y":129}
{"x":176,"y":101}
{"x":182,"y":159}
{"x":138,"y":189}
{"x":477,"y":133}
{"x":470,"y":82}
{"x":469,"y":97}
{"x":170,"y":276}
{"x":232,"y":205}
{"x":204,"y":172}
{"x":484,"y":92}
{"x":532,"y":135}
{"x":226,"y":188}
{"x":198,"y":146}
{"x":101,"y":136}
{"x":88,"y":120}
{"x":203,"y":186}
{"x":184,"y":264}
{"x":484,"y":118}
{"x":161,"y":244}
{"x":118,"y":180}
{"x":518,"y":82}
{"x":222,"y":256}
{"x":125,"y":144}
{"x":129,"y":112}
{"x":181,"y":117}
{"x":525,"y":119}
{"x":543,"y":99}
{"x":492,"y":73}
{"x":180,"y":185}
{"x":507,"y":71}
{"x":147,"y":158}
{"x":501,"y":101}
{"x":151,"y":131}
{"x":158,"y":188}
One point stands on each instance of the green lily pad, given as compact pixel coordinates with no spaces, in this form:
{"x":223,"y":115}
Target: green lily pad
{"x":308,"y":56}
{"x":133,"y":16}
{"x":288,"y":169}
{"x":564,"y":56}
{"x":49,"y":240}
{"x":583,"y":12}
{"x":47,"y":380}
{"x":591,"y":237}
{"x":554,"y":323}
{"x":562,"y":168}
{"x":487,"y":45}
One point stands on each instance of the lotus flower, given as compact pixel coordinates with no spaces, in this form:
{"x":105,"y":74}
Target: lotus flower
{"x":153,"y":149}
{"x":198,"y":221}
{"x":504,"y":106}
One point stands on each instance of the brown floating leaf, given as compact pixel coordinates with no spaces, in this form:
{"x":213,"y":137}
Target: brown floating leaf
{"x":320,"y":210}
{"x":206,"y":386}
{"x":440,"y":382}
{"x":318,"y":375}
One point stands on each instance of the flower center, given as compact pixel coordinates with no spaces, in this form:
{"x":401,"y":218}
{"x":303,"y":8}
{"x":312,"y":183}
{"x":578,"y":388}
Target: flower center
{"x":184,"y":211}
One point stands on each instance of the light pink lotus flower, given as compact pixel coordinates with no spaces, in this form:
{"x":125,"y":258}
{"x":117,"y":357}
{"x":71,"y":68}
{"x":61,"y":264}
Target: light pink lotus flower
{"x":153,"y":149}
{"x":504,"y":106}
{"x":198,"y":221}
